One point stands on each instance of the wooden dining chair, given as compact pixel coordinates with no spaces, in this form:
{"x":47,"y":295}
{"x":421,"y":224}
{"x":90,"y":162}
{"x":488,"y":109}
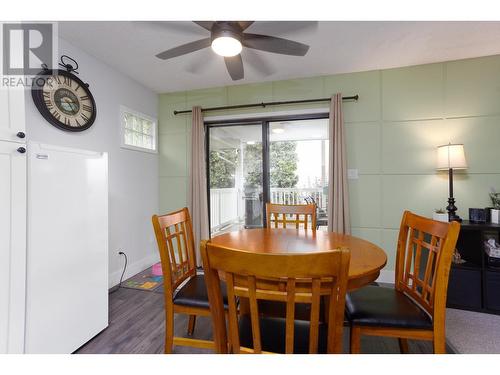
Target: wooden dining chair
{"x":415,"y":307}
{"x":185,"y":291}
{"x":290,"y":215}
{"x":291,"y":279}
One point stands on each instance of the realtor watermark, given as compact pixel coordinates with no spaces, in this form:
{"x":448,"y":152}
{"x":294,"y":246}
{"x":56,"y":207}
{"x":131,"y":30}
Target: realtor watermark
{"x":27,"y":49}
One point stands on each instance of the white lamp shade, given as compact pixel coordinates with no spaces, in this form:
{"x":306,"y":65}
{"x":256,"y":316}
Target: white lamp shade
{"x":451,"y":156}
{"x":226,"y":46}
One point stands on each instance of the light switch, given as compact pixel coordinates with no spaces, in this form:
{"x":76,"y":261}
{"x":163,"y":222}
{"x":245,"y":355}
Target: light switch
{"x":352,"y":174}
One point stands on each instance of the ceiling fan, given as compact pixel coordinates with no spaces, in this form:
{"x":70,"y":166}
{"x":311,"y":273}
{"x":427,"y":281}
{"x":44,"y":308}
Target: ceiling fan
{"x":227,"y":39}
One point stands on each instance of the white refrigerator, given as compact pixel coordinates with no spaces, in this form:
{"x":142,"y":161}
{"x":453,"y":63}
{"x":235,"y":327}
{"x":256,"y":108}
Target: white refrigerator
{"x":67,"y":250}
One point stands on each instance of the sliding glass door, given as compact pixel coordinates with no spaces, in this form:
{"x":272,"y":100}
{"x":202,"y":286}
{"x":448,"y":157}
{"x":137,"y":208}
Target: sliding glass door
{"x":235,"y":166}
{"x":252,"y":163}
{"x":298,"y":163}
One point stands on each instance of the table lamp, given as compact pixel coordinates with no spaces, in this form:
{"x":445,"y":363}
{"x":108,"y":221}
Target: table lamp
{"x":450,"y":157}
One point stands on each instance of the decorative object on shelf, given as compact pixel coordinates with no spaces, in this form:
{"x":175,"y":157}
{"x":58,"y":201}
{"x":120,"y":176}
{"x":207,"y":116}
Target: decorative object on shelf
{"x":440,"y":215}
{"x":62,"y":98}
{"x":495,"y":211}
{"x":492,"y":249}
{"x":450,"y":157}
{"x":495,"y":215}
{"x":457,"y":258}
{"x":477,"y":215}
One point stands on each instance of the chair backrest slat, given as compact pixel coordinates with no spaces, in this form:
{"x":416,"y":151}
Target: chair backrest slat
{"x":174,"y":236}
{"x":289,"y":278}
{"x":429,"y":272}
{"x":180,"y":250}
{"x":254,"y":314}
{"x":170,"y":249}
{"x":290,"y":315}
{"x":315,"y":307}
{"x":418,"y":258}
{"x":423,"y":260}
{"x":233,"y":313}
{"x":293,"y":214}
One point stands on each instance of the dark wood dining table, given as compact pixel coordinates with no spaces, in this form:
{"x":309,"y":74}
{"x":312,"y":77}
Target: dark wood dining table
{"x":367,"y":259}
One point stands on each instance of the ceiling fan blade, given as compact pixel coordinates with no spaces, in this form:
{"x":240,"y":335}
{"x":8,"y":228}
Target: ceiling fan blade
{"x":245,"y":24}
{"x":274,"y":44}
{"x":207,"y":25}
{"x":184,"y":49}
{"x":234,"y":65}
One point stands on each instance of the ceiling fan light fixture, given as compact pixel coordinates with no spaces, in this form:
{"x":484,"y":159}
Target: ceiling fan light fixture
{"x":226,"y":46}
{"x":226,"y":41}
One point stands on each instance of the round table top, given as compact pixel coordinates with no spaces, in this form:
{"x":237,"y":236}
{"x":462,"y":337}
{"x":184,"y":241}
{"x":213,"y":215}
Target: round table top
{"x":367,"y":259}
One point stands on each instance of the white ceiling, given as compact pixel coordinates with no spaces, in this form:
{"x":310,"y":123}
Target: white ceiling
{"x":336,"y":47}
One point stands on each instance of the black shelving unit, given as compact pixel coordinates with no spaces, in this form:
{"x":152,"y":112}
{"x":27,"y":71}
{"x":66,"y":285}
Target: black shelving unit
{"x":475,"y":284}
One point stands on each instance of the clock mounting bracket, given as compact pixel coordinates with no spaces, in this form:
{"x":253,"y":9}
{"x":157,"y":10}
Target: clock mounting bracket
{"x":68,"y":63}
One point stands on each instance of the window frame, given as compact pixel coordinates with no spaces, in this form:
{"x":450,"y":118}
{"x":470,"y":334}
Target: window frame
{"x":264,"y":122}
{"x":123,"y":110}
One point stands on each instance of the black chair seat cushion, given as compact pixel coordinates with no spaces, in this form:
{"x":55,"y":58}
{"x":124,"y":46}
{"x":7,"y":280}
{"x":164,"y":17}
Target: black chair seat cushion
{"x":273,"y":335}
{"x":385,"y":307}
{"x":194,"y":293}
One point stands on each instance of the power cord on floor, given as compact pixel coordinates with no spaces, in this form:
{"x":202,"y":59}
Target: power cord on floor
{"x":123,"y":272}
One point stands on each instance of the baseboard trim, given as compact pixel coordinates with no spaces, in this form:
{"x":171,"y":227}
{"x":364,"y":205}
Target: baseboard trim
{"x":132,"y":269}
{"x":386,"y":276}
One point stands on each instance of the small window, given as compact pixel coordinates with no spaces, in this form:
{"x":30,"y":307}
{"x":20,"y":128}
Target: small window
{"x":138,"y":131}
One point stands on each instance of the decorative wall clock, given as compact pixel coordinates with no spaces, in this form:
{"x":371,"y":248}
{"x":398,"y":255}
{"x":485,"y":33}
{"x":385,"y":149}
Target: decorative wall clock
{"x":63,"y":99}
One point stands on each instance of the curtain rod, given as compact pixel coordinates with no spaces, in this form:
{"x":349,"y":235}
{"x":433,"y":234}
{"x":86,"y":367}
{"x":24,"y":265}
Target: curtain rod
{"x":265,"y":104}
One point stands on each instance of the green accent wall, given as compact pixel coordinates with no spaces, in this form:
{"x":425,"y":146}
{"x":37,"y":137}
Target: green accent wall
{"x":392,"y":134}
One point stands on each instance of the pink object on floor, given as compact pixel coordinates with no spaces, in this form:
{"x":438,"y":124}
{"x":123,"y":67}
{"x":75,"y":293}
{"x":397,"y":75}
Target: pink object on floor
{"x":156,"y":269}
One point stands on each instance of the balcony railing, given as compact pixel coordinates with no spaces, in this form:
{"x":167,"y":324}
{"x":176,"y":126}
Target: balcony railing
{"x":227,"y":206}
{"x":224,"y":204}
{"x":298,"y":196}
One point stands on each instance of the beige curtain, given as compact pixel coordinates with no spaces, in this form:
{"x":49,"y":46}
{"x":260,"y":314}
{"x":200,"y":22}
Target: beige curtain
{"x":197,"y":194}
{"x":338,"y":197}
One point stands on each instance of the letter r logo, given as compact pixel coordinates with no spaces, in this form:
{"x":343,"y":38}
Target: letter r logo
{"x":26,"y":47}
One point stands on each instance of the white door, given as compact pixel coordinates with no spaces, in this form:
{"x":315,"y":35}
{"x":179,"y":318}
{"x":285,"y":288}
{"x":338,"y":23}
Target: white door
{"x":67,"y":261}
{"x":12,"y":114}
{"x":12,"y":246}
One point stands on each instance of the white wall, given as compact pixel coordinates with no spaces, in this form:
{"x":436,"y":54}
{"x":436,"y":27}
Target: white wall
{"x":133,"y":175}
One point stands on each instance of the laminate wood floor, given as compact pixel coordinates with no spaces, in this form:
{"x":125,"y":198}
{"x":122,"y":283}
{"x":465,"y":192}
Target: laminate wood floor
{"x":137,"y":326}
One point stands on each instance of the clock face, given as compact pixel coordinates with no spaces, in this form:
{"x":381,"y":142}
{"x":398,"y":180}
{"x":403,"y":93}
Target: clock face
{"x":64,"y":100}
